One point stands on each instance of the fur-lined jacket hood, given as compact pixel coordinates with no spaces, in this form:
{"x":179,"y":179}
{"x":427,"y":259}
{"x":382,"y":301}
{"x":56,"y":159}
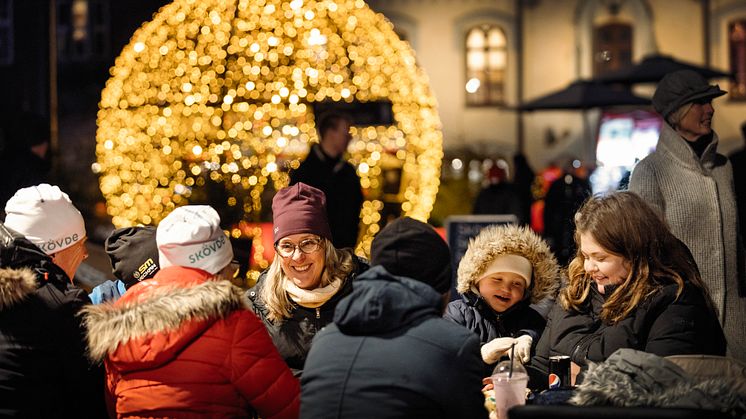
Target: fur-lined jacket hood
{"x":15,"y":286}
{"x":498,"y":240}
{"x":634,"y":378}
{"x":155,"y":319}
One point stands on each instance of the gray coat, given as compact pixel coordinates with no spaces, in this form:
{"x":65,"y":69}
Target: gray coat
{"x":696,"y":196}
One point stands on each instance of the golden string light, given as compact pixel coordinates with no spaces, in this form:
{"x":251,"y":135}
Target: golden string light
{"x":220,"y":94}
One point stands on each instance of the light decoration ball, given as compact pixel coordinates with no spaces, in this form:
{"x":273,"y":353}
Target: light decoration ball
{"x":218,"y":95}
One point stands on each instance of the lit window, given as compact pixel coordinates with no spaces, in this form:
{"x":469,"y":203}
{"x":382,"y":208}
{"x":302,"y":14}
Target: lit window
{"x":486,"y":61}
{"x":737,"y":45}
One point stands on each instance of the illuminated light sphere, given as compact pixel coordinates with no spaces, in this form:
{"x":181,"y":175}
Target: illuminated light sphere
{"x":217,"y":95}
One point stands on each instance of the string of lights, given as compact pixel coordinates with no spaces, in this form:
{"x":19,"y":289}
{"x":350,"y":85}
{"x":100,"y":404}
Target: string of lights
{"x":220,"y":93}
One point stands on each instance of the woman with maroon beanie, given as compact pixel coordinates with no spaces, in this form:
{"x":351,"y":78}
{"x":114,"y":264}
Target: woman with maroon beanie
{"x":297,"y":294}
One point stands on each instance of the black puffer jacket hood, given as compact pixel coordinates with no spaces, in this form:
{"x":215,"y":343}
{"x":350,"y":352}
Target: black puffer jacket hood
{"x":382,"y":303}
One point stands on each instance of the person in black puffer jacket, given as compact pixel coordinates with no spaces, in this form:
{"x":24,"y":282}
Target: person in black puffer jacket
{"x":632,"y":284}
{"x":44,"y":371}
{"x":504,"y":269}
{"x":297,"y":294}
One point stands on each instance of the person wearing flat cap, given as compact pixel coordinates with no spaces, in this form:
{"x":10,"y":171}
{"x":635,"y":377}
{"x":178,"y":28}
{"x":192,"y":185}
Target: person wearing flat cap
{"x":691,"y":184}
{"x":297,"y":294}
{"x":184,"y":343}
{"x":389,"y":353}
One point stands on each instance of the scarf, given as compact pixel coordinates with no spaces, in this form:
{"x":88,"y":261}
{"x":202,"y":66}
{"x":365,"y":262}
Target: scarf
{"x":312,"y":298}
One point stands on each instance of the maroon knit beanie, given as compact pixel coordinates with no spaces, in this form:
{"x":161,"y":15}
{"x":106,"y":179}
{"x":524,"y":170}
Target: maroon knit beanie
{"x":300,"y":209}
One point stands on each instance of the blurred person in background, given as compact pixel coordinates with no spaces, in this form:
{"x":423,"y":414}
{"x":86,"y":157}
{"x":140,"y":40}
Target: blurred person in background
{"x":499,"y":196}
{"x":326,"y":169}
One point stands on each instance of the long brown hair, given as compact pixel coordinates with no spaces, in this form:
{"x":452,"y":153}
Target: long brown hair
{"x":625,"y":225}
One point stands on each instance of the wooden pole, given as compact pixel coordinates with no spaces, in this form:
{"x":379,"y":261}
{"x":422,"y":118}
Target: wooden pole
{"x":54,"y":146}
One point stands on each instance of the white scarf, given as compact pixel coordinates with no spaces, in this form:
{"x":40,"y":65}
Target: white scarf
{"x":312,"y":298}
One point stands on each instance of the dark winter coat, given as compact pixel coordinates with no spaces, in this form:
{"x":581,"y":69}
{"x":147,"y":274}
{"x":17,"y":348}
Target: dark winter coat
{"x":475,"y":314}
{"x":500,"y":198}
{"x":662,"y":325}
{"x":389,"y":354}
{"x":344,"y":197}
{"x":632,"y":378}
{"x":192,"y":350}
{"x":44,"y":371}
{"x":292,"y":337}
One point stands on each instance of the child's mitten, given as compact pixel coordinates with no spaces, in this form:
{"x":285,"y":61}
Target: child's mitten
{"x":494,"y":349}
{"x":523,"y":348}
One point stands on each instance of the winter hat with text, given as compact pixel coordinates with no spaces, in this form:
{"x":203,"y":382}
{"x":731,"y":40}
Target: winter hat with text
{"x":299,"y":209}
{"x":46,"y":216}
{"x":191,"y":236}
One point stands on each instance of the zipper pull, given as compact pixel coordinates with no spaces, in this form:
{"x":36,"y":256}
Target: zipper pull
{"x":318,"y":312}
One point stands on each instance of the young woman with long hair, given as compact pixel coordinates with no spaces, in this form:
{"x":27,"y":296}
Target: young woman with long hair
{"x":632,"y":284}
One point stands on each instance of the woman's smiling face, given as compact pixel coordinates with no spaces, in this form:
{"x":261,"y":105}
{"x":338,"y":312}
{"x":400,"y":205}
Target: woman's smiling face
{"x":604,"y":267}
{"x":502,"y":290}
{"x":304,"y":269}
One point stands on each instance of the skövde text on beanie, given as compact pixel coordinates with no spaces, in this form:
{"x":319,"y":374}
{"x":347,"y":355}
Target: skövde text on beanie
{"x":46,"y":216}
{"x":299,"y":209}
{"x":191,"y":236}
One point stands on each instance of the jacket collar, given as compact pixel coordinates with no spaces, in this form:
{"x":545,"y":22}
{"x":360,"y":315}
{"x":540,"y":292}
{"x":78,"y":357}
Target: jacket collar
{"x":176,"y":298}
{"x":673,"y":143}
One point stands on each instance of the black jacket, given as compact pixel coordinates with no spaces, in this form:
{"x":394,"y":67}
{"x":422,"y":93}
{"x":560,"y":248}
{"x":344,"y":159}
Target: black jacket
{"x":662,"y":325}
{"x":389,"y":354}
{"x":292,"y":337}
{"x":44,"y":371}
{"x":475,"y":314}
{"x":344,"y":197}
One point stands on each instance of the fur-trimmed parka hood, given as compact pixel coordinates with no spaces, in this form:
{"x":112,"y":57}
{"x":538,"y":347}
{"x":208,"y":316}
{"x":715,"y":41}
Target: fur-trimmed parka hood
{"x":156,"y":318}
{"x":498,"y":240}
{"x":15,"y":286}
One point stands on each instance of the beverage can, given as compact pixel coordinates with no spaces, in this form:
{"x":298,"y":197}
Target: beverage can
{"x":559,"y":372}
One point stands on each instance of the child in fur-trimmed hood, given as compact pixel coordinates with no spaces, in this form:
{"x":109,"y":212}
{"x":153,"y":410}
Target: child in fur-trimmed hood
{"x":505,"y":268}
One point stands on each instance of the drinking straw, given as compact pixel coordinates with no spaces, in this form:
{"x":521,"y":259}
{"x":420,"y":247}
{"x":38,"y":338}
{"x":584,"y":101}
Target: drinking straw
{"x":512,"y":352}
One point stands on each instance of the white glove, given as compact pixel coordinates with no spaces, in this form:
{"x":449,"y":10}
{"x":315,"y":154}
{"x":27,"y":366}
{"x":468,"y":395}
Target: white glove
{"x":522,"y":348}
{"x":496,"y":348}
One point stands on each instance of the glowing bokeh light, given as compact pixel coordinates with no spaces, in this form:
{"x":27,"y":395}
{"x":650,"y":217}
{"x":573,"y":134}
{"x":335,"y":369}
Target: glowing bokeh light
{"x":221,"y":92}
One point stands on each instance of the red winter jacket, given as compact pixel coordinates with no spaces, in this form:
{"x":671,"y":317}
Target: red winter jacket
{"x":182,"y":344}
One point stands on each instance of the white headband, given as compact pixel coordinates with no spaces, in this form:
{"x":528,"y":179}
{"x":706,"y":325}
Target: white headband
{"x":46,"y":216}
{"x":509,"y":263}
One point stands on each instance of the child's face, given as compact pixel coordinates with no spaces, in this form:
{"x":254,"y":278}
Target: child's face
{"x":604,"y":267}
{"x":501,"y":290}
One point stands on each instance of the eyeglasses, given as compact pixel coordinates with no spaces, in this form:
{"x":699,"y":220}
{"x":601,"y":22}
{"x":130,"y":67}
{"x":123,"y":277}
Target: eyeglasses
{"x":307,"y":246}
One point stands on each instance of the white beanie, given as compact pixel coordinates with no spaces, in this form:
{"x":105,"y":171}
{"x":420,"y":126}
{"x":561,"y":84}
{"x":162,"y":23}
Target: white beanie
{"x":46,"y":216}
{"x":191,"y":236}
{"x":509,"y":263}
